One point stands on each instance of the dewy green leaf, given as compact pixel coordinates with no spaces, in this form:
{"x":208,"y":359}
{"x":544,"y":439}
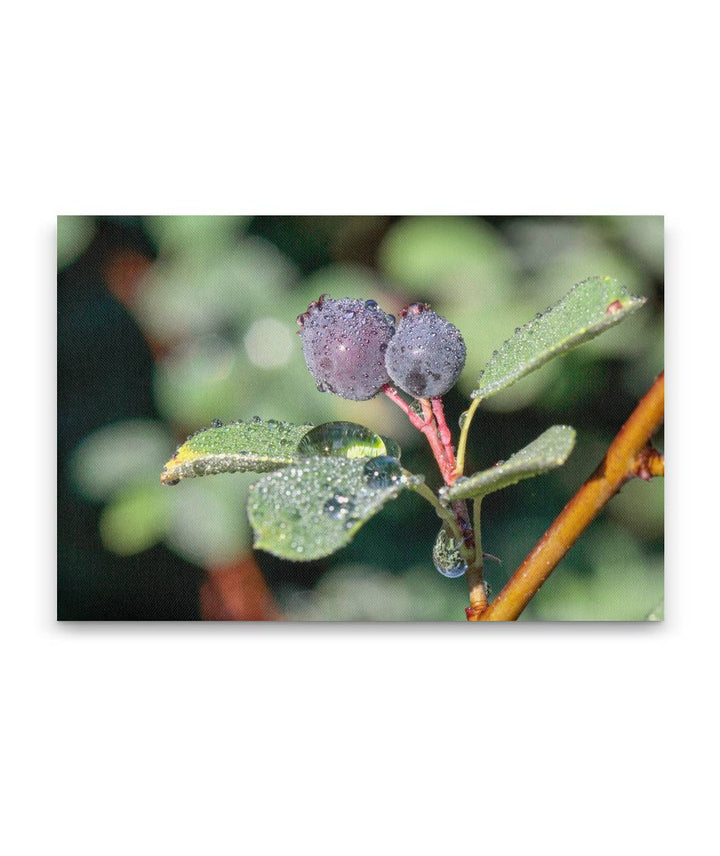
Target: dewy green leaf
{"x":253,"y":446}
{"x":551,"y":449}
{"x":588,"y":309}
{"x":315,"y":506}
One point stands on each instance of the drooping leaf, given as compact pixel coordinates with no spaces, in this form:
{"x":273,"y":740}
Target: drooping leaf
{"x":253,"y":446}
{"x":588,"y":309}
{"x":315,"y":506}
{"x":551,"y":449}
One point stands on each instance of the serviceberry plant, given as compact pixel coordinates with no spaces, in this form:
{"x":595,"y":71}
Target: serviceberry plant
{"x":324,"y":482}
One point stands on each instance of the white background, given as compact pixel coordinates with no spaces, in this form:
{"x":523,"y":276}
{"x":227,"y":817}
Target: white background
{"x":153,"y":739}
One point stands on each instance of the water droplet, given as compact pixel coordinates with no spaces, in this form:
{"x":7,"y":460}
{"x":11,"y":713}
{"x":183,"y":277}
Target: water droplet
{"x":447,"y":557}
{"x":463,"y":419}
{"x":341,"y":440}
{"x":382,"y":472}
{"x":217,"y":423}
{"x":371,"y":304}
{"x":392,"y":448}
{"x":518,"y":330}
{"x":339,"y":506}
{"x":538,"y":315}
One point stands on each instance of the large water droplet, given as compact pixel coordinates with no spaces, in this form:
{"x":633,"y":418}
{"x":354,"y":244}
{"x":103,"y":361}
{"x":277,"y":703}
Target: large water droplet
{"x":463,"y":419}
{"x":382,"y":472}
{"x":392,"y":448}
{"x":339,"y":506}
{"x":341,"y":440}
{"x":447,"y":557}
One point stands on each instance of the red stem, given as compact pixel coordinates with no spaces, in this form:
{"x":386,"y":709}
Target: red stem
{"x":428,"y":428}
{"x":444,"y":431}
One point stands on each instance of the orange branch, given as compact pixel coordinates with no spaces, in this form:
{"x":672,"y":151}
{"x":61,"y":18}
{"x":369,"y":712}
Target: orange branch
{"x":629,"y":454}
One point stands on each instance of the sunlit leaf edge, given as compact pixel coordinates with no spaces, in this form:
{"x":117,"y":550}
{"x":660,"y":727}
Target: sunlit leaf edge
{"x":243,"y":446}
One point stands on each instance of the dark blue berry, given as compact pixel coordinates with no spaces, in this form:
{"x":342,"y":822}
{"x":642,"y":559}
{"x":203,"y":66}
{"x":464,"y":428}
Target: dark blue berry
{"x":426,"y":354}
{"x":344,"y":343}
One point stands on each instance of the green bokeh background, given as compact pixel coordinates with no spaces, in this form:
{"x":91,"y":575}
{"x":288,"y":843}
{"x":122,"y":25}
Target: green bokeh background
{"x":166,"y":323}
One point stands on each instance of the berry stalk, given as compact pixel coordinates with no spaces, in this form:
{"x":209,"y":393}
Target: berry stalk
{"x":428,"y":427}
{"x":444,"y":431}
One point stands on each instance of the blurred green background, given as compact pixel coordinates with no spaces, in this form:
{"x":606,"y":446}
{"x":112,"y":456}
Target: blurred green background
{"x":166,"y":323}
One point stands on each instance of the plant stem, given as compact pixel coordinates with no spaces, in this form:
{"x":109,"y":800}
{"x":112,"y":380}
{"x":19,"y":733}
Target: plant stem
{"x":462,"y":442}
{"x":428,"y":428}
{"x":440,"y":440}
{"x":444,"y":432}
{"x":447,"y":516}
{"x":394,"y":396}
{"x":623,"y":460}
{"x":476,"y":586}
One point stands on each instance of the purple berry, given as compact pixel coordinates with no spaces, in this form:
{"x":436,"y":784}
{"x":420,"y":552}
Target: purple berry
{"x":426,"y":354}
{"x":344,"y":343}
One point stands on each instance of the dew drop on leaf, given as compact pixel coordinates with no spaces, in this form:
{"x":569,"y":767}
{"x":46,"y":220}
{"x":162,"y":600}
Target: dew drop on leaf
{"x":382,"y":472}
{"x":340,"y":439}
{"x":339,"y":506}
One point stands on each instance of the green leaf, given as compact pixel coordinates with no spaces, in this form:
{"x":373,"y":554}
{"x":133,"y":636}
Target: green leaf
{"x":315,"y":506}
{"x":588,"y":309}
{"x":551,"y":449}
{"x":258,"y":446}
{"x":254,"y":446}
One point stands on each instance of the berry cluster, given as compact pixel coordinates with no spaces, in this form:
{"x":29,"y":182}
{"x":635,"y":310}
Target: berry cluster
{"x":354,"y":349}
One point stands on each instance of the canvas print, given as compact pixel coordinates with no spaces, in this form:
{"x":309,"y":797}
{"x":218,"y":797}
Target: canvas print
{"x":360,"y":418}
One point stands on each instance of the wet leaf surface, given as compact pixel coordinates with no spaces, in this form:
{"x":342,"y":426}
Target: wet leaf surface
{"x":315,"y":506}
{"x":588,"y":309}
{"x":252,"y":446}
